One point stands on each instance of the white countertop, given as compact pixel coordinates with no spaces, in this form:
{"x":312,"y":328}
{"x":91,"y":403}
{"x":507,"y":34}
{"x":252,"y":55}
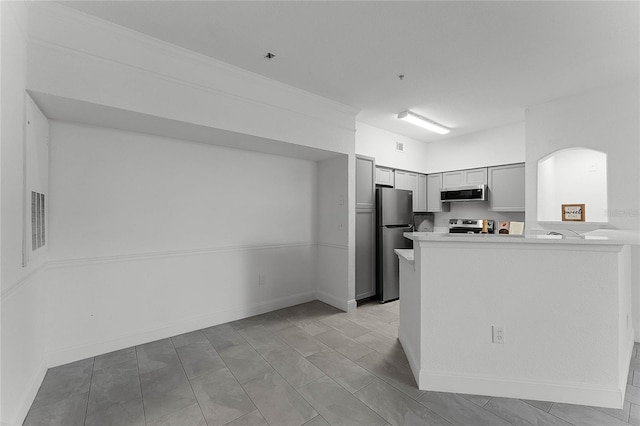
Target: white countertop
{"x":536,"y":239}
{"x":405,"y":254}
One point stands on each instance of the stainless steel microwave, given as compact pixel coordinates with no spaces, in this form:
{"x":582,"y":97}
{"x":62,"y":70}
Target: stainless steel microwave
{"x":464,"y":193}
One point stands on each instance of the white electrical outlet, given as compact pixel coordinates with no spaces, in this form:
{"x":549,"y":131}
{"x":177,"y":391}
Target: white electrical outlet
{"x":261,"y":279}
{"x":497,"y":334}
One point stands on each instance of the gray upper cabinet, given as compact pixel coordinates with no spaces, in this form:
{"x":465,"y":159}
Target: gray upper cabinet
{"x":475,"y":176}
{"x":434,"y":184}
{"x":451,"y":179}
{"x":464,"y":177}
{"x":402,"y":180}
{"x":384,"y":176}
{"x":506,"y":188}
{"x":420,"y":195}
{"x":415,"y":182}
{"x":365,"y":169}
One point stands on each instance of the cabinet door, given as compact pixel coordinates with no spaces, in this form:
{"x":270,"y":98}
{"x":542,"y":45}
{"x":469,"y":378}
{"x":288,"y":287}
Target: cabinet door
{"x":412,"y":185}
{"x":464,"y":177}
{"x":409,"y":181}
{"x":434,"y":184}
{"x":506,"y":188}
{"x":420,"y":195}
{"x":475,"y":176}
{"x":384,"y":176}
{"x":365,"y":197}
{"x":365,"y":254}
{"x":452,"y":179}
{"x":401,"y":180}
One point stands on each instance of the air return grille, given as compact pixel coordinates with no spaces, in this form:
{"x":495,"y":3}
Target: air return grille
{"x":37,"y":220}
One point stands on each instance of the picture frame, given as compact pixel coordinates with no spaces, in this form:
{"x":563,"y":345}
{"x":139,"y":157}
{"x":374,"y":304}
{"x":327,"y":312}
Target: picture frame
{"x":573,"y":212}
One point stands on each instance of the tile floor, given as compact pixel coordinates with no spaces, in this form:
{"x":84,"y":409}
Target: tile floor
{"x":308,"y":364}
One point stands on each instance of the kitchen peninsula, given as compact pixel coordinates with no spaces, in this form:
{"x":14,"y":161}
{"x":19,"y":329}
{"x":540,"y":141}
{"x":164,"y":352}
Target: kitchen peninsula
{"x":532,"y":317}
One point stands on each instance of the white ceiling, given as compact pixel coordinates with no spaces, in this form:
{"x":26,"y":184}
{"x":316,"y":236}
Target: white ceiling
{"x":469,"y":65}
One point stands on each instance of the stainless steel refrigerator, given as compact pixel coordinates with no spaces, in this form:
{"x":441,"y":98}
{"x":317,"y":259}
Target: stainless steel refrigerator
{"x":394,"y":212}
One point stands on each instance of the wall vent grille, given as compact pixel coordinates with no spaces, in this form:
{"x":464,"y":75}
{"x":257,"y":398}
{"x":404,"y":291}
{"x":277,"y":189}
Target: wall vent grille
{"x":37,"y":221}
{"x":399,"y":147}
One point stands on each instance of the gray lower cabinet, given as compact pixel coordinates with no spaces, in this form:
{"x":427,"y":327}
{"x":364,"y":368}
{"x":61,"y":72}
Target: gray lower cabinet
{"x":506,"y":188}
{"x":365,"y":227}
{"x":365,"y":254}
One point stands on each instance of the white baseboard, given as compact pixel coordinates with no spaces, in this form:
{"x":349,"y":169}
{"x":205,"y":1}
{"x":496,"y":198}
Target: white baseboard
{"x":75,"y":353}
{"x":352,"y":305}
{"x":330,"y":299}
{"x":570,"y":393}
{"x":21,"y":411}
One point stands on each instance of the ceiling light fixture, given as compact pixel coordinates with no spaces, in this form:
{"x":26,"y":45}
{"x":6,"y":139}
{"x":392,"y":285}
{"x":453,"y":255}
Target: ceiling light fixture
{"x":423,"y":122}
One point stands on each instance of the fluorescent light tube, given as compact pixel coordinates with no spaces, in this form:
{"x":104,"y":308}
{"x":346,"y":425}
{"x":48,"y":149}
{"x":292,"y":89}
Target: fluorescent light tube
{"x":425,"y":123}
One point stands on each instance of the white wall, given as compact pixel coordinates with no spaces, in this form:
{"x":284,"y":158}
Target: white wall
{"x":22,"y":326}
{"x":381,"y":145}
{"x":492,"y":147}
{"x":23,"y":345}
{"x":14,"y":65}
{"x":606,"y":119}
{"x":177,"y":278}
{"x":76,"y":56}
{"x":574,"y":175}
{"x":174,"y":233}
{"x":80,"y":58}
{"x":120,"y":193}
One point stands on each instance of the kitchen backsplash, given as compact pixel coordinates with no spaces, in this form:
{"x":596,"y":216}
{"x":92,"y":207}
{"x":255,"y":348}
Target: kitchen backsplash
{"x":423,"y":222}
{"x":474,"y":210}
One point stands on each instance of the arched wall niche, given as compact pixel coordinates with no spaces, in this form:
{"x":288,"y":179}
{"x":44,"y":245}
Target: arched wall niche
{"x":573,"y":176}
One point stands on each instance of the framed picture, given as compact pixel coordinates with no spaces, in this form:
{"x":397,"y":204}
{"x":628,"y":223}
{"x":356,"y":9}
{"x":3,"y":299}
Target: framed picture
{"x":573,"y":212}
